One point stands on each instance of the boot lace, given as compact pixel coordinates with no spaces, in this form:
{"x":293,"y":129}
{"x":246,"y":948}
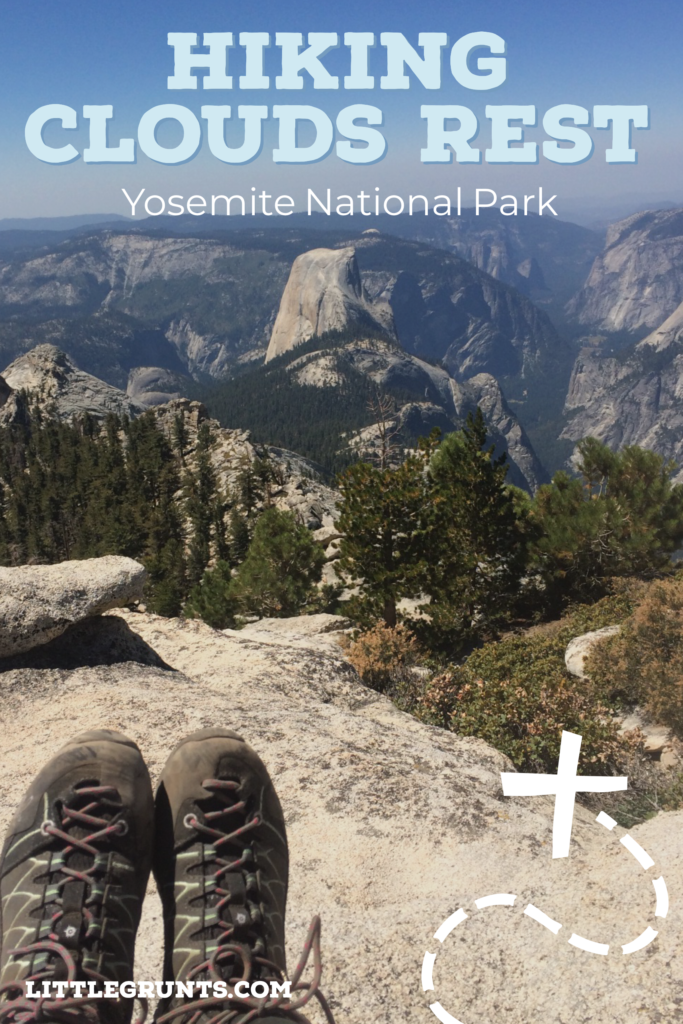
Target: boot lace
{"x":234,"y":961}
{"x":82,"y":867}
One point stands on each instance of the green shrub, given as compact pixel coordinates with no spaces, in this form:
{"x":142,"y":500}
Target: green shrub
{"x":526,"y":722}
{"x":517,"y":695}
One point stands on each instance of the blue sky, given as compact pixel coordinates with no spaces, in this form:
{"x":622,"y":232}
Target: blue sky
{"x":79,"y":53}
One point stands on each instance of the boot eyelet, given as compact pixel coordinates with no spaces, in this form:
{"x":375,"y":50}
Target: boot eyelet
{"x":122,"y":827}
{"x":189,"y":821}
{"x":43,"y":827}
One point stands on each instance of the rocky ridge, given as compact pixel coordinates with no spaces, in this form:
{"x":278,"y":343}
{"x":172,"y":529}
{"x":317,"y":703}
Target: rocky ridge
{"x":297,"y":487}
{"x":392,"y":826}
{"x":50,"y":378}
{"x":61,"y":389}
{"x":430,"y":397}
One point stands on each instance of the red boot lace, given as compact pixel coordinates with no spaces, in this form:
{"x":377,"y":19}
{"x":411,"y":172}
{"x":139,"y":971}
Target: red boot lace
{"x":19,"y":1008}
{"x":222,"y":1010}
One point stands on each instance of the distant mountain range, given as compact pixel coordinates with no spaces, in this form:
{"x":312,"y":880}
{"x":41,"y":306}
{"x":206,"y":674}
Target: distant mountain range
{"x":548,"y":312}
{"x":68,"y":223}
{"x":216,"y":297}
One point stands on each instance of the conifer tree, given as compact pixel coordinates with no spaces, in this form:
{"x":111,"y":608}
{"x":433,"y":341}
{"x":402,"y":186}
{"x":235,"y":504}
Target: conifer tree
{"x":282,"y":566}
{"x":249,"y":489}
{"x":443,"y":527}
{"x":212,"y":600}
{"x":623,"y":516}
{"x":180,"y":436}
{"x":384,"y":521}
{"x":201,"y":493}
{"x":477,"y":539}
{"x":238,"y":537}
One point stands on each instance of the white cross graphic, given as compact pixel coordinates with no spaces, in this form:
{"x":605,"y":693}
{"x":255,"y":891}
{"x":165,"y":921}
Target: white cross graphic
{"x":565,"y":785}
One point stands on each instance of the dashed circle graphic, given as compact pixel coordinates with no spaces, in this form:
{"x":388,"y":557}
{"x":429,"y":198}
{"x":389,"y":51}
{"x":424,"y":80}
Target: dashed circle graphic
{"x":506,"y":899}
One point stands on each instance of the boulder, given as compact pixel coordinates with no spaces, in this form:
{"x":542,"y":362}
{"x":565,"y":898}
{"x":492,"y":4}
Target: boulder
{"x":393,"y":826}
{"x":153,"y":385}
{"x":658,"y":739}
{"x":580,"y":647}
{"x":38,"y":602}
{"x":333,"y":549}
{"x":326,"y":534}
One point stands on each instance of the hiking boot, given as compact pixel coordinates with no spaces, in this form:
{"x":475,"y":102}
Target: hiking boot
{"x":221,"y":864}
{"x":73,"y":875}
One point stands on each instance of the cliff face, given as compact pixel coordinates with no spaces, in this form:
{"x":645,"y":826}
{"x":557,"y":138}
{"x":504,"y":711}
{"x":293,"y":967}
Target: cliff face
{"x":105,"y":267}
{"x":637,"y":281}
{"x":5,"y":392}
{"x":544,"y":257}
{"x":484,"y":391}
{"x":668,"y":334}
{"x":207,"y":300}
{"x":634,"y":398}
{"x":324,"y":292}
{"x":439,"y":307}
{"x":12,"y":405}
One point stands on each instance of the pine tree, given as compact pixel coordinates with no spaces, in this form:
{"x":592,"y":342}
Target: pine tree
{"x":239,"y":537}
{"x":478,"y":540}
{"x":212,"y":599}
{"x":200,"y":489}
{"x":167,"y":578}
{"x":249,"y":488}
{"x":384,"y":522}
{"x":622,"y":517}
{"x":282,"y":566}
{"x":180,"y":436}
{"x":442,"y":527}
